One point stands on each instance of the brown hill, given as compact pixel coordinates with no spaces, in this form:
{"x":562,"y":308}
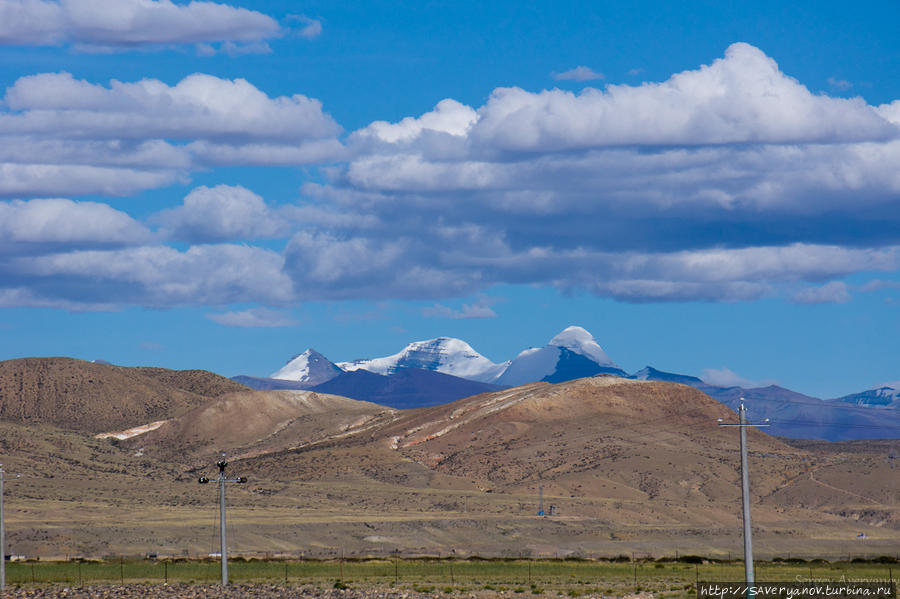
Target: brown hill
{"x":603,"y":436}
{"x":630,"y":466}
{"x":256,"y":422}
{"x":83,"y":396}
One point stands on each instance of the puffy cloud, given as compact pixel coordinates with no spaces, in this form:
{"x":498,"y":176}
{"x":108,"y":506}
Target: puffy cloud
{"x":64,"y":136}
{"x":254,"y":318}
{"x":198,"y":107}
{"x":158,"y":276}
{"x":579,"y":73}
{"x":449,"y":117}
{"x":732,"y":154}
{"x":729,"y":182}
{"x":741,"y":98}
{"x":62,"y":221}
{"x":835,"y":292}
{"x":324,"y":266}
{"x":77,"y":179}
{"x":154,"y":154}
{"x":221,"y":213}
{"x":126,"y":24}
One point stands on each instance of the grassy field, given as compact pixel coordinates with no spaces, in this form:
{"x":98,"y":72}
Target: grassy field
{"x":572,"y":577}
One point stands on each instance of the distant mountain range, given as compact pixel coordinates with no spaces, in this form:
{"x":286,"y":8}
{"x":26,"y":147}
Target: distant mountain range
{"x":882,"y":397}
{"x":437,"y":371}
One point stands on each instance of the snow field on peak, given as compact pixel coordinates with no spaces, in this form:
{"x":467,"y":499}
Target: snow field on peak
{"x":297,"y":369}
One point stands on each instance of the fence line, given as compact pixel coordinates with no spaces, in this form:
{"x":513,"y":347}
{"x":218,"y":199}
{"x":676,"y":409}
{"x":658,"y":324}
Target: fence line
{"x":563,"y":573}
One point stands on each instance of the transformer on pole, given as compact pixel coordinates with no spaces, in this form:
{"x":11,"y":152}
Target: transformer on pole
{"x":223,"y":544}
{"x":745,"y":493}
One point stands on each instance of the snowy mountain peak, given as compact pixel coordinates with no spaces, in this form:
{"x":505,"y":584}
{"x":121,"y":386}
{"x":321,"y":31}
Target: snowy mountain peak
{"x":443,"y":354}
{"x":886,"y":396}
{"x":579,"y":341}
{"x":309,"y":367}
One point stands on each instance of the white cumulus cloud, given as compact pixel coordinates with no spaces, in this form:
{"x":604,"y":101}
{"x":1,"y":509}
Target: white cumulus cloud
{"x":65,"y":136}
{"x":160,"y":276}
{"x":122,"y":24}
{"x":65,"y":221}
{"x":727,"y":182}
{"x":221,"y":213}
{"x":197,"y":107}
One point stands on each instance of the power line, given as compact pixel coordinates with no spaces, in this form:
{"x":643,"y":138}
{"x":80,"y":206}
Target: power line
{"x":222,"y":479}
{"x":745,"y":493}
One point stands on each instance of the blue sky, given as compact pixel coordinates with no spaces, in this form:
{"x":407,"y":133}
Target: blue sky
{"x":707,"y":188}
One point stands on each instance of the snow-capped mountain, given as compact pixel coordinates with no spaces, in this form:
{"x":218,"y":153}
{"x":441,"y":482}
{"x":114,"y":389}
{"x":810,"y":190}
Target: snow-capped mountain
{"x":887,"y":396}
{"x":444,"y":354}
{"x":418,"y":376}
{"x":572,"y":354}
{"x":579,"y":341}
{"x":310,"y":368}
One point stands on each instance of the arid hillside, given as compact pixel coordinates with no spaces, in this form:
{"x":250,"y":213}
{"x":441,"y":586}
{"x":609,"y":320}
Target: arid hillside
{"x":627,"y":465}
{"x":84,"y":396}
{"x":249,"y":423}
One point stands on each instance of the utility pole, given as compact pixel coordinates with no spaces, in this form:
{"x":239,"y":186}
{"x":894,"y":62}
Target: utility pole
{"x":223,"y":552}
{"x":541,"y":504}
{"x":745,"y":493}
{"x":3,"y":530}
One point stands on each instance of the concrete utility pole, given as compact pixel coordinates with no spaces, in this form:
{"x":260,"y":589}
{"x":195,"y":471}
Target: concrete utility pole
{"x":223,"y":552}
{"x":3,"y":530}
{"x":745,"y":493}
